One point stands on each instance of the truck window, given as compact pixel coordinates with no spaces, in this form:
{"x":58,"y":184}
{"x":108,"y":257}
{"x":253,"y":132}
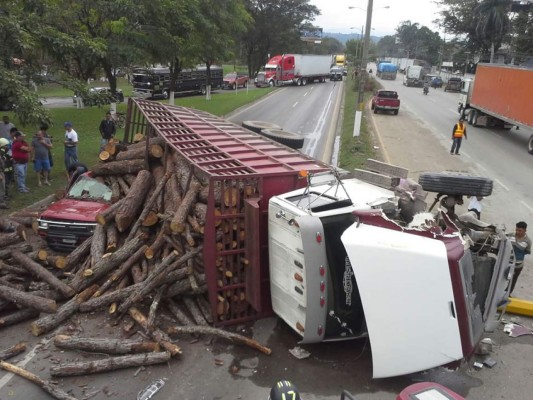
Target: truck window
{"x":89,"y":189}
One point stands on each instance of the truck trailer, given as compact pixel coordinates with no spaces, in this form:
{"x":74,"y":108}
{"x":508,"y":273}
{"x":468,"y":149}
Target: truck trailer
{"x":498,"y":96}
{"x":337,"y":256}
{"x":414,"y":75}
{"x":387,"y":70}
{"x":295,"y":69}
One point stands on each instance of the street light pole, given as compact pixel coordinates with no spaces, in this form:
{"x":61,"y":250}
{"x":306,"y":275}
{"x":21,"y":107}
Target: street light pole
{"x":362,"y":72}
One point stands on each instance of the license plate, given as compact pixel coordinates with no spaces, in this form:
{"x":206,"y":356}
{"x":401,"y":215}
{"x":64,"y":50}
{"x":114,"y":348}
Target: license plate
{"x":69,"y":241}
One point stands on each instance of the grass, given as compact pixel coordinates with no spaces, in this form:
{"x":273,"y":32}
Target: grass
{"x":85,"y":123}
{"x":354,"y":151}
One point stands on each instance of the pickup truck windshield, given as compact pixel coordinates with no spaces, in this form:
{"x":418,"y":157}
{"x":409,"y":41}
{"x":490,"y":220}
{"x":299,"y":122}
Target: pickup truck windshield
{"x":90,"y":189}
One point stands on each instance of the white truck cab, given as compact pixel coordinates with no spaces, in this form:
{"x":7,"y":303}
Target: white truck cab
{"x":343,"y":266}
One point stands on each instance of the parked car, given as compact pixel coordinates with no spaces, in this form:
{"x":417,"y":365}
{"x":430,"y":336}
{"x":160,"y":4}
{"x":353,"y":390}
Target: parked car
{"x":385,"y":100}
{"x":235,"y":79}
{"x":99,"y":96}
{"x":336,"y":74}
{"x":453,"y":84}
{"x":435,"y":81}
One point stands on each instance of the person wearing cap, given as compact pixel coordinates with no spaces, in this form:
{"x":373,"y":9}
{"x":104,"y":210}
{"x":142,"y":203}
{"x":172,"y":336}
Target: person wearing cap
{"x":458,"y":132}
{"x":21,"y":153}
{"x":4,"y":143}
{"x":71,"y":145}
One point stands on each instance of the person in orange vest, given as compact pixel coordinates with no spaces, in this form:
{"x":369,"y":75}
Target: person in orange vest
{"x":458,"y":132}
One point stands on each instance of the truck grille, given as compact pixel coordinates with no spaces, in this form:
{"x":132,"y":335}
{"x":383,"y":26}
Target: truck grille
{"x":65,"y":235}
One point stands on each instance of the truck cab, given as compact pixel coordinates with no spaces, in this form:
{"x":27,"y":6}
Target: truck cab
{"x":344,"y":266}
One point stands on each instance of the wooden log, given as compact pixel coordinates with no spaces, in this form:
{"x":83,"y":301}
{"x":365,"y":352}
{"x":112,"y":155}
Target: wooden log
{"x":22,"y":247}
{"x":150,"y":219}
{"x":8,"y":225}
{"x":182,"y":318}
{"x":133,"y":202}
{"x":148,"y":206}
{"x":154,"y":306}
{"x":121,"y":271}
{"x":12,"y":351}
{"x":177,"y":225}
{"x":48,"y":322}
{"x":155,"y":150}
{"x":107,"y":346}
{"x":109,"y":213}
{"x":23,"y":220}
{"x":28,"y":300}
{"x":194,"y":310}
{"x":156,"y":245}
{"x":104,"y":156}
{"x":18,"y":316}
{"x":12,"y":269}
{"x":205,"y":307}
{"x":7,"y":239}
{"x":208,"y":330}
{"x":172,"y":196}
{"x":108,"y":298}
{"x":112,"y":183}
{"x":156,"y":334}
{"x":111,"y":238}
{"x":109,"y":364}
{"x":80,"y":253}
{"x":83,"y":280}
{"x":118,"y":167}
{"x":53,"y":260}
{"x":124,"y":187}
{"x":98,"y":244}
{"x":200,"y":212}
{"x":42,"y":273}
{"x":195,"y":225}
{"x":47,"y":386}
{"x":158,"y":277}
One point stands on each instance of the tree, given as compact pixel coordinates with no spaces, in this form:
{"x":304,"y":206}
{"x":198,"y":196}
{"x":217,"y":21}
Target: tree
{"x":329,"y":46}
{"x":522,"y":38}
{"x":492,"y":23}
{"x":387,"y":46}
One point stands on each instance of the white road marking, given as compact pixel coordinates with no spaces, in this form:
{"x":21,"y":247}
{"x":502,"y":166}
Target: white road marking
{"x":453,"y":111}
{"x":315,"y":136}
{"x":526,"y":205}
{"x":295,"y":104}
{"x":4,"y":381}
{"x":501,"y":184}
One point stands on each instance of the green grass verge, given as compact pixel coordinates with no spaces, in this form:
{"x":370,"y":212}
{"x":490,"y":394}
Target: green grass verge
{"x":354,"y":151}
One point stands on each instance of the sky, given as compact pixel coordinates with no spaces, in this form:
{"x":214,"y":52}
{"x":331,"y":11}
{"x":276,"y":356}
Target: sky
{"x":337,"y":18}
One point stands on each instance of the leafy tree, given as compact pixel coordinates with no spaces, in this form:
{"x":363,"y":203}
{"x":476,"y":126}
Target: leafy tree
{"x":387,"y":46}
{"x":407,"y":34}
{"x":329,"y":46}
{"x":522,"y":38}
{"x":492,"y":23}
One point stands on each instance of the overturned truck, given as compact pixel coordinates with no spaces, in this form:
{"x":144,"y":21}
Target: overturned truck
{"x":268,"y":229}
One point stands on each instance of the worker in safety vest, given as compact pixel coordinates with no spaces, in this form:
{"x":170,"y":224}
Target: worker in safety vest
{"x":458,"y":132}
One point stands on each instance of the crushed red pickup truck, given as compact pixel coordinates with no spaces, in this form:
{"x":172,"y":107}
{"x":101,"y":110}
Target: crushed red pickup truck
{"x":386,"y":100}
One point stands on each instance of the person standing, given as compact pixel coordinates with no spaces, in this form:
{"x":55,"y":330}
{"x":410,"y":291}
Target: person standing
{"x":521,"y":246}
{"x":21,"y":153}
{"x":475,"y":205}
{"x":5,"y":127}
{"x":458,"y":132}
{"x":41,"y":157}
{"x":71,"y":145}
{"x":4,"y":143}
{"x":107,"y":130}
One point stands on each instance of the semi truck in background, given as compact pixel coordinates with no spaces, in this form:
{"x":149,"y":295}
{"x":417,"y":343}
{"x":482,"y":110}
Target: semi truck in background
{"x":340,"y":60}
{"x":499,"y":96}
{"x":295,"y":69}
{"x":387,"y":70}
{"x":414,"y":75}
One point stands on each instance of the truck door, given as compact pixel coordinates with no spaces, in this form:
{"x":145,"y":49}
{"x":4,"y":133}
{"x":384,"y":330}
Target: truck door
{"x":406,"y":292}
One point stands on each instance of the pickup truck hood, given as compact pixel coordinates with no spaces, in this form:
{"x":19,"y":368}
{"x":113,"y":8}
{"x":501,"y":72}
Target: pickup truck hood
{"x":74,"y":210}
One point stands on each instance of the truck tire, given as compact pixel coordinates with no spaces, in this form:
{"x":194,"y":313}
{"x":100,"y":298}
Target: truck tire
{"x":258,"y":126}
{"x":530,"y":145}
{"x":455,"y":184}
{"x":289,"y":139}
{"x":271,"y":83}
{"x":304,"y":81}
{"x":396,"y":112}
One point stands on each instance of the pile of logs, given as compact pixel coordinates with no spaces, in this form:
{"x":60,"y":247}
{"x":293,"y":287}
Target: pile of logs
{"x":145,"y":253}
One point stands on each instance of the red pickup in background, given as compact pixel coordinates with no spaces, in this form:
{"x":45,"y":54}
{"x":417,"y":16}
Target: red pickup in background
{"x":385,"y":100}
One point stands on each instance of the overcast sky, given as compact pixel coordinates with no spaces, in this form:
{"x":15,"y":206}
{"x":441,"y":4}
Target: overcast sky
{"x":336,"y":17}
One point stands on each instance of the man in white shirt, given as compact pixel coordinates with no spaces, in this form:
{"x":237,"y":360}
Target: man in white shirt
{"x":475,"y":205}
{"x":71,"y":146}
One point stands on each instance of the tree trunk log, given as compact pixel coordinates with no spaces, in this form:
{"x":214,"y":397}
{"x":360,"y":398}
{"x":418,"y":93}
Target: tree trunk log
{"x":121,"y":271}
{"x":118,"y":167}
{"x":47,"y":386}
{"x":18,"y":316}
{"x":7,"y":239}
{"x":111,"y":237}
{"x":177,"y":225}
{"x":12,"y":351}
{"x":133,"y":201}
{"x":22,"y":247}
{"x":28,"y":300}
{"x":109,"y":213}
{"x":98,"y":244}
{"x":109,"y":364}
{"x":148,"y":206}
{"x":194,"y":310}
{"x":43,"y":274}
{"x":182,"y":318}
{"x":107,"y":346}
{"x":205,"y":307}
{"x":84,"y":279}
{"x":49,"y":322}
{"x":208,"y":330}
{"x":156,"y":334}
{"x":108,"y":298}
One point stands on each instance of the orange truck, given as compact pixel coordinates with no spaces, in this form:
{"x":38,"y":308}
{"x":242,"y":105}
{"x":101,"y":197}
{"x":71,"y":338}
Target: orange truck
{"x":499,"y":96}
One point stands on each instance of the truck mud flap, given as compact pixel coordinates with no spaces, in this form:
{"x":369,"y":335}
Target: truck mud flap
{"x":455,"y":184}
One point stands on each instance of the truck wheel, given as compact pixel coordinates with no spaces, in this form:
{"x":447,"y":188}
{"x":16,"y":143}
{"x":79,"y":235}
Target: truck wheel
{"x":396,"y":112}
{"x":289,"y":139}
{"x":203,"y":90}
{"x":455,"y":184}
{"x":258,"y":126}
{"x":271,"y":83}
{"x":530,"y":145}
{"x":304,"y":81}
{"x":165,"y":94}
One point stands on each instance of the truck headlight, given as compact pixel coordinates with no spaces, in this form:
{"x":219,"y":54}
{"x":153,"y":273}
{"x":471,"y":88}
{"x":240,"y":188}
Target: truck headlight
{"x":43,"y":225}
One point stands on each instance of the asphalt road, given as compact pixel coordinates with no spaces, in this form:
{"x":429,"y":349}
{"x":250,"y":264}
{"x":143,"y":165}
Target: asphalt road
{"x":213,"y":369}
